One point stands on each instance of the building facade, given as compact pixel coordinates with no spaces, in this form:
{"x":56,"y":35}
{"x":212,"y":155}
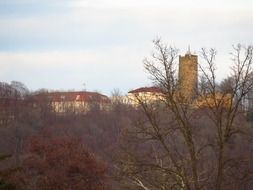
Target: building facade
{"x":73,"y":102}
{"x":144,"y":94}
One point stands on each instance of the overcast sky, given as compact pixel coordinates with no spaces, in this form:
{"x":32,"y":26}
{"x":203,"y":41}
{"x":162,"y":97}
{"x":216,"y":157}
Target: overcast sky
{"x":64,"y":44}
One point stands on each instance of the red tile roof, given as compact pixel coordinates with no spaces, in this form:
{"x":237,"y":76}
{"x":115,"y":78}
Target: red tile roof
{"x":82,"y":96}
{"x":146,"y":89}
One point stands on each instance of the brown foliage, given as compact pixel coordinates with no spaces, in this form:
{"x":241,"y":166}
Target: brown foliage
{"x":60,"y":163}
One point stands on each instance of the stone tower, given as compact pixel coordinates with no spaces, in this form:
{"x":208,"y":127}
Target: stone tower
{"x":188,"y":75}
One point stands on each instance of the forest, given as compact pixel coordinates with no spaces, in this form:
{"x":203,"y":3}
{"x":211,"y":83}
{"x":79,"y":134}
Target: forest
{"x":158,"y":145}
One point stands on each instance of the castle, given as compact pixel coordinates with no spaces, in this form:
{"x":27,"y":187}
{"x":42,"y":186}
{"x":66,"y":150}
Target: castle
{"x":187,"y":82}
{"x":187,"y":88}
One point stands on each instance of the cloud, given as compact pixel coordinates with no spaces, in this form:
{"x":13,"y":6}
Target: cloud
{"x":100,"y":70}
{"x":163,"y":4}
{"x":62,"y":44}
{"x":82,"y":28}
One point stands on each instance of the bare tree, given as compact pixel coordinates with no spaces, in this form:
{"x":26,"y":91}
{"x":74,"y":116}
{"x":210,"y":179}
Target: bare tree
{"x":178,"y":143}
{"x":227,"y":104}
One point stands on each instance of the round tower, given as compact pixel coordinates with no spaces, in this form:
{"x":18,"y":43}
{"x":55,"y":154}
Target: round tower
{"x":188,"y":75}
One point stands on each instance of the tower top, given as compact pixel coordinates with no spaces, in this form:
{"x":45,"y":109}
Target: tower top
{"x":189,"y":50}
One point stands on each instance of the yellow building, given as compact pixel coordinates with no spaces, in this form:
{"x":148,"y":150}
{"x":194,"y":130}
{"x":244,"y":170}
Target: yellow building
{"x":73,"y":102}
{"x":216,"y":100}
{"x":144,"y":94}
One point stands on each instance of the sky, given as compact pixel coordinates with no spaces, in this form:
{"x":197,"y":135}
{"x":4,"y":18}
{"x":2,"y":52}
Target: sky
{"x":99,"y":45}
